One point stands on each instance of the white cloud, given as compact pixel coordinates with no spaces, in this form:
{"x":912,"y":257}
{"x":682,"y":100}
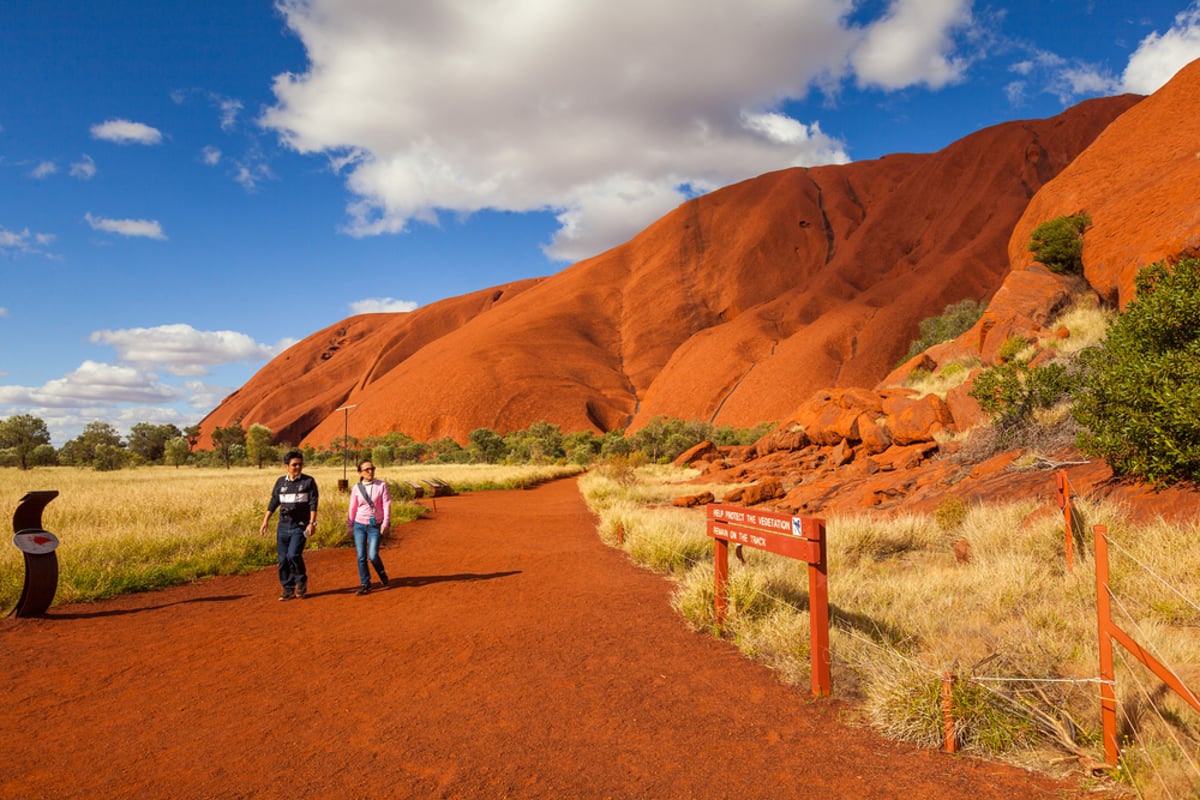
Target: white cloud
{"x":211,"y":155}
{"x":180,"y":349}
{"x":1015,"y":92}
{"x":1159,"y":56}
{"x":44,"y":170}
{"x":251,"y":172}
{"x":140,"y":388}
{"x":84,"y":168}
{"x":229,"y":109}
{"x":1084,"y":80}
{"x":913,"y":44}
{"x":598,"y":214}
{"x":24,"y":242}
{"x":204,"y":397}
{"x":1069,"y":80}
{"x":92,"y":383}
{"x":531,"y":105}
{"x":147,"y":228}
{"x":122,"y":131}
{"x":382,"y":305}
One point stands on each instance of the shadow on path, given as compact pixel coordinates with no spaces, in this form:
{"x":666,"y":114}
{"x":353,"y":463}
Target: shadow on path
{"x":425,"y":580}
{"x":117,"y":612}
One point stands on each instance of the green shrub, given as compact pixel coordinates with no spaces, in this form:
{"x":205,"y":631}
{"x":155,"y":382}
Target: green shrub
{"x":1011,"y":393}
{"x":1140,"y":404}
{"x":1058,"y":243}
{"x":955,"y":320}
{"x":1011,"y":348}
{"x":917,"y":376}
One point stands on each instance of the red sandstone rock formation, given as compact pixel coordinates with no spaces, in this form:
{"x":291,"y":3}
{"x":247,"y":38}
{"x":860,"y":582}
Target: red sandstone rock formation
{"x":733,"y":308}
{"x":1137,"y":182}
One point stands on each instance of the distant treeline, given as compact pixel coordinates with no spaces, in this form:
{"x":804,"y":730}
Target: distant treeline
{"x":25,"y":443}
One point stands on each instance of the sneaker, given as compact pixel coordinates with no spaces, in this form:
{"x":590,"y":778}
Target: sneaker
{"x":383,"y":578}
{"x":302,"y":588}
{"x":363,"y":590}
{"x":288,"y":594}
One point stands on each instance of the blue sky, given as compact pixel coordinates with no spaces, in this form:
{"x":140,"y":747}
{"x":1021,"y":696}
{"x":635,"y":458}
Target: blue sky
{"x":187,"y":188}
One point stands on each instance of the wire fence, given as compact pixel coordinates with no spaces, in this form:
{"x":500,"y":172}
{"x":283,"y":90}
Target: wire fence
{"x":1174,"y":733}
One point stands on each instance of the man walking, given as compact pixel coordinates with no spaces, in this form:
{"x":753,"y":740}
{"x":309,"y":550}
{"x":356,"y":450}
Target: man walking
{"x":295,"y":495}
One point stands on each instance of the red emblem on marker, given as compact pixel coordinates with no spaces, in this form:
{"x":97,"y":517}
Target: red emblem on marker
{"x":35,"y":542}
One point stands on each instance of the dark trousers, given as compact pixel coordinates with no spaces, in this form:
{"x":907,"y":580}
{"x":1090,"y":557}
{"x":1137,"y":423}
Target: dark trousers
{"x":290,"y":541}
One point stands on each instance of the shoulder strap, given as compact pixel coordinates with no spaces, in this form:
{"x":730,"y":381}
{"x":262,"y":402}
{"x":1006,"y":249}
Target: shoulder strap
{"x":366,"y":495}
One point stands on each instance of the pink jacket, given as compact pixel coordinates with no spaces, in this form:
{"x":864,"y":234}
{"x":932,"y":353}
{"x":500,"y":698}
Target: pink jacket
{"x":359,"y":511}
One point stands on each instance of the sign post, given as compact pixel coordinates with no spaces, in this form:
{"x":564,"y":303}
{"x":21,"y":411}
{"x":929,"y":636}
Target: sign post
{"x":344,"y":483}
{"x":796,"y":537}
{"x":1063,"y":487}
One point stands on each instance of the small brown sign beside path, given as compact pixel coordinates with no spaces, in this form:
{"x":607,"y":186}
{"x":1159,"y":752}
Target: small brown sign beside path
{"x":802,"y":538}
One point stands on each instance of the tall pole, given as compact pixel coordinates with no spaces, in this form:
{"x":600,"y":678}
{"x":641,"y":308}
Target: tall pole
{"x":345,"y":482}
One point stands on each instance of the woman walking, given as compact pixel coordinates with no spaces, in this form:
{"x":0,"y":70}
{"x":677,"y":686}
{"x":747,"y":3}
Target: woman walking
{"x":369,"y":517}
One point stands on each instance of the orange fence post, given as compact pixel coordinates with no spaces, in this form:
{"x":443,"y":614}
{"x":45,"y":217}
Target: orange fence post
{"x":620,"y":533}
{"x":1108,"y":698}
{"x":949,"y":743}
{"x":1064,"y":502}
{"x":818,"y":608}
{"x":720,"y":577}
{"x":1110,"y":632}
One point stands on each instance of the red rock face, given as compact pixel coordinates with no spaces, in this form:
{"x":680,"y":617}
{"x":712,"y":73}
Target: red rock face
{"x":734,"y":308}
{"x":1137,"y":182}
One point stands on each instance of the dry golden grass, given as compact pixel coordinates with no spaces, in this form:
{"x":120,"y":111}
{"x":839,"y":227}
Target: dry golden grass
{"x":941,"y":381}
{"x":1086,"y":323}
{"x":1017,"y":629}
{"x":140,"y":529}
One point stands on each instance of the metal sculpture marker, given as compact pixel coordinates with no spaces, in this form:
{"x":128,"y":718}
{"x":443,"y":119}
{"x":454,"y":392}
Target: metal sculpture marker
{"x":41,"y":562}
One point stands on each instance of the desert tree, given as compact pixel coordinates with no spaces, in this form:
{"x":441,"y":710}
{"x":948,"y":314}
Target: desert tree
{"x":258,"y":445}
{"x":149,"y":442}
{"x":229,"y":439}
{"x":485,"y":445}
{"x":23,"y":434}
{"x":192,"y":434}
{"x":177,"y":451}
{"x":81,"y":451}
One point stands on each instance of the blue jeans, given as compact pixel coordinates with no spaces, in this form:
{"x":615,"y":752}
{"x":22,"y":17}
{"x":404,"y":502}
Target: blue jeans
{"x":289,"y":544}
{"x":366,"y":543}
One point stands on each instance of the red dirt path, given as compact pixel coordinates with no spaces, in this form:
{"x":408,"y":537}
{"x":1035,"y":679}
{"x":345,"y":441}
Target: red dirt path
{"x":515,"y":655}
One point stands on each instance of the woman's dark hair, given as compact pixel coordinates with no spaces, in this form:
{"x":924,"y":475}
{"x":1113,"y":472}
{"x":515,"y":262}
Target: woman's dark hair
{"x":364,"y":461}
